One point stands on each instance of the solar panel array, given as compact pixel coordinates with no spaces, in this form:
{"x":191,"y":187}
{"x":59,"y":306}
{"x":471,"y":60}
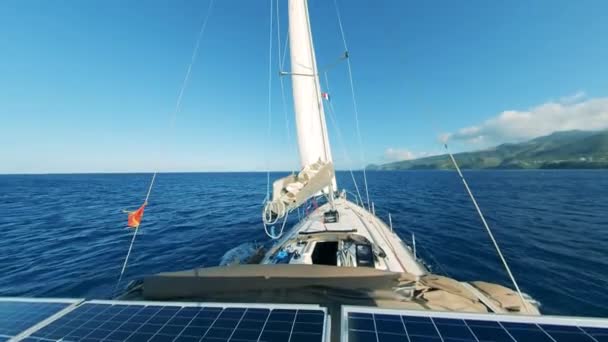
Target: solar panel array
{"x":17,"y":316}
{"x":141,"y":322}
{"x":369,"y":325}
{"x":74,"y":320}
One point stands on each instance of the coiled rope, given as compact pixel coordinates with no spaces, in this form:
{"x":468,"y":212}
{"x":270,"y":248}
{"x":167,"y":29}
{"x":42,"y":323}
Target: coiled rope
{"x":270,"y":223}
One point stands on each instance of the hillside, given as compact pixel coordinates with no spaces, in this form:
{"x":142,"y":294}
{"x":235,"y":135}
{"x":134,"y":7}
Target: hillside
{"x":567,"y":149}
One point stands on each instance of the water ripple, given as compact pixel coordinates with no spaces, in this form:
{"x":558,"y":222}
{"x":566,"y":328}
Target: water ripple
{"x":65,"y":235}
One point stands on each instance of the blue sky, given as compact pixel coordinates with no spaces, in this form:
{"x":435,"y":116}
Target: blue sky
{"x":89,"y":86}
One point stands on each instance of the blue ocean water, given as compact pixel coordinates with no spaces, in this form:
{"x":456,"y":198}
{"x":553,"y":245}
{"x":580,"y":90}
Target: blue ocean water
{"x":65,"y":235}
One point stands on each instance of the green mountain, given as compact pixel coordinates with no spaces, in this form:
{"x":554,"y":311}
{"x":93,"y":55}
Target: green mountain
{"x":560,"y":150}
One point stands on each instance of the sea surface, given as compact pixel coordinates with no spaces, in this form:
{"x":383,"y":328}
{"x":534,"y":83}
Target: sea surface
{"x":65,"y":235}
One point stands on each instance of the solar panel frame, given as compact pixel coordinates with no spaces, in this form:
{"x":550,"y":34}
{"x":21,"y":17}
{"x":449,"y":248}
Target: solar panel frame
{"x":225,"y":324}
{"x":536,"y":328}
{"x":42,"y":319}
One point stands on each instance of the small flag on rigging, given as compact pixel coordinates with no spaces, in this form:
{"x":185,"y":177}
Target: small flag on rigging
{"x":325,"y":96}
{"x":135,"y":217}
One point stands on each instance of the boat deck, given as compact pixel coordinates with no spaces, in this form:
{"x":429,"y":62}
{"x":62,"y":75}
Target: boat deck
{"x":353,"y":220}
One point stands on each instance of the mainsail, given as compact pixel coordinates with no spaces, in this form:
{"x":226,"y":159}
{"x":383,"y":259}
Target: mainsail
{"x":308,"y":103}
{"x":315,"y":154}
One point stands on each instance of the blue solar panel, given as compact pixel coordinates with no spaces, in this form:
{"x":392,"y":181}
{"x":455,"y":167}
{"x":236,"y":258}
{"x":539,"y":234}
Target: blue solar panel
{"x":19,"y":315}
{"x":175,"y":322}
{"x":377,"y":325}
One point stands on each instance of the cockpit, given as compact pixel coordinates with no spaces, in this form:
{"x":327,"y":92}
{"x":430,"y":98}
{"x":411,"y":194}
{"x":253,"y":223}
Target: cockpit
{"x":331,"y":249}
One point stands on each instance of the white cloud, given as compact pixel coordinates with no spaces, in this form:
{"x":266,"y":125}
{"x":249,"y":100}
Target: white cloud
{"x":568,"y":113}
{"x":396,"y":154}
{"x":444,"y":137}
{"x":574,"y":98}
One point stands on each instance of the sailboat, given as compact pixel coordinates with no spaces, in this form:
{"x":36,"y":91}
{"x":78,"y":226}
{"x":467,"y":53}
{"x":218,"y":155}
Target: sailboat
{"x":340,"y":245}
{"x":339,"y":274}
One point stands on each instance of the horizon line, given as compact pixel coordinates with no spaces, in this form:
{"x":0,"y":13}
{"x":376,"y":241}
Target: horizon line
{"x":147,"y":172}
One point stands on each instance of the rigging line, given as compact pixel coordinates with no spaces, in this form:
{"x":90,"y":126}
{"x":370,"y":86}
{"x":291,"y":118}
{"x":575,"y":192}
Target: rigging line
{"x":355,"y":107}
{"x":285,"y":50}
{"x":502,"y":258}
{"x":278,"y":35}
{"x":341,"y":139}
{"x":178,"y":103}
{"x":334,"y":64}
{"x":269,"y":123}
{"x":287,"y":129}
{"x":348,"y":160}
{"x":124,"y":265}
{"x":318,"y":92}
{"x":340,"y":24}
{"x":171,"y":127}
{"x":284,"y":101}
{"x":281,"y":59}
{"x":150,"y":188}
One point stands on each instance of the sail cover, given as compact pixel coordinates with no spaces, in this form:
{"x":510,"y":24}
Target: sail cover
{"x":292,"y":191}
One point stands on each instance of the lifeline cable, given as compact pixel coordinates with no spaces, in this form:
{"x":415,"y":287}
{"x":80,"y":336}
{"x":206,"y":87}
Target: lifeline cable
{"x":173,"y":116}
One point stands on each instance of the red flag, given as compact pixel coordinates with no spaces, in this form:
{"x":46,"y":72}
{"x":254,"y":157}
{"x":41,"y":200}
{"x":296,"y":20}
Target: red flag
{"x":325,"y":96}
{"x":136,"y":216}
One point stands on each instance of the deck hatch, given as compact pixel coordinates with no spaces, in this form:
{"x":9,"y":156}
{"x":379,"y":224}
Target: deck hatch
{"x":372,"y":324}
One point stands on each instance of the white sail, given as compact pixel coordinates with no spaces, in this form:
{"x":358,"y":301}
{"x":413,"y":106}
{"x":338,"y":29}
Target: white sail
{"x":315,"y":155}
{"x":292,"y":191}
{"x":313,"y":141}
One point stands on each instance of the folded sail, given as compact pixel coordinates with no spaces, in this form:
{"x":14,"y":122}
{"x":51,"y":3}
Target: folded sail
{"x":292,"y":191}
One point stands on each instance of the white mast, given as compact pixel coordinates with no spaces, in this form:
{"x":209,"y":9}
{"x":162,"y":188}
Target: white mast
{"x":313,"y":141}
